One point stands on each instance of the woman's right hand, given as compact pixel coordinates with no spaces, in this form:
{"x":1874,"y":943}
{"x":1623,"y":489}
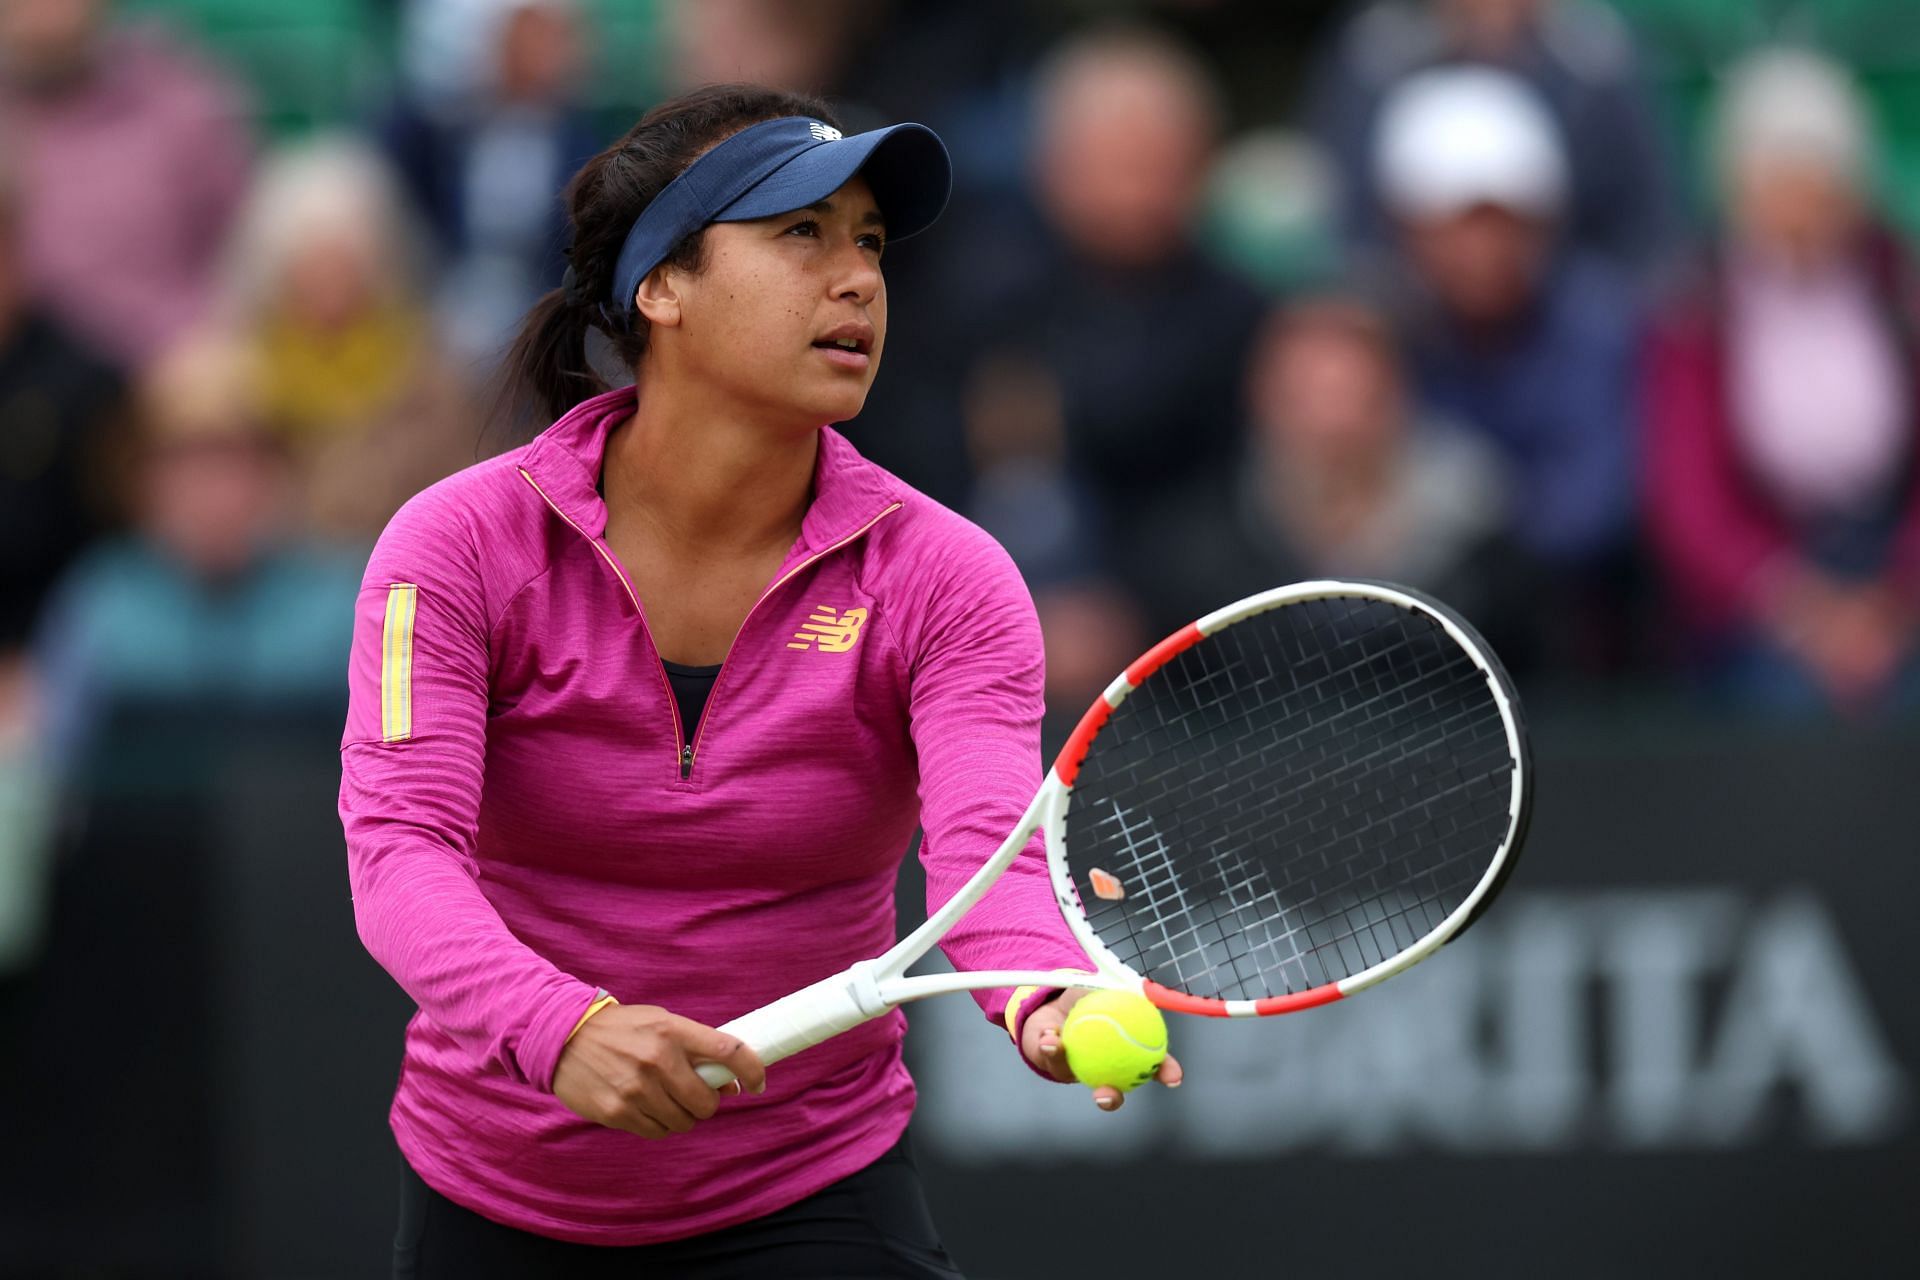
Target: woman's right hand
{"x":631,"y":1067}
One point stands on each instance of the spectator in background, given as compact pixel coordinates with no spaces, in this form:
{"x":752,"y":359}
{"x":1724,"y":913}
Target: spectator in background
{"x":323,"y":298}
{"x":132,"y":158}
{"x":1533,"y":348}
{"x":447,"y":53}
{"x":801,"y":48}
{"x":486,"y":168}
{"x":1144,"y":336}
{"x":1054,"y":528}
{"x":58,"y":403}
{"x":1100,"y":291}
{"x":209,"y":599}
{"x":1105,"y":350}
{"x":1343,"y":474}
{"x":1783,"y":415}
{"x":1576,"y":54}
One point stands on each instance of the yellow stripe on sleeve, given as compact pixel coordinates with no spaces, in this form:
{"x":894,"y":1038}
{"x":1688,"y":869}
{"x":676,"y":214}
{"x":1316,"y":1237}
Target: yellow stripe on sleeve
{"x":396,"y":663}
{"x":600,"y":1003}
{"x":406,"y":658}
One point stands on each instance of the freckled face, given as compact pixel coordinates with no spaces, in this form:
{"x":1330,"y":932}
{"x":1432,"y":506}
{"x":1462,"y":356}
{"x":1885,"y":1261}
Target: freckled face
{"x":790,"y":313}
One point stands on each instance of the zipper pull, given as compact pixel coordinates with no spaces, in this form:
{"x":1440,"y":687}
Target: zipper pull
{"x":686,"y":761}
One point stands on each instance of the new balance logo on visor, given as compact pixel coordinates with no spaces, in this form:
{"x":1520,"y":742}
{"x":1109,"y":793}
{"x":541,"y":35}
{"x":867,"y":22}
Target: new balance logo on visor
{"x":831,"y":632}
{"x":824,"y":132}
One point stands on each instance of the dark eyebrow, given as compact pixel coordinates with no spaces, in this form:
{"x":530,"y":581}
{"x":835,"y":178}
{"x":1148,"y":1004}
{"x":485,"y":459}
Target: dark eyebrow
{"x":874,"y":218}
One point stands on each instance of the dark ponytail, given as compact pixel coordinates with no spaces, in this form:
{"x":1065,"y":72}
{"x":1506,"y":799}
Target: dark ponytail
{"x":548,"y":370}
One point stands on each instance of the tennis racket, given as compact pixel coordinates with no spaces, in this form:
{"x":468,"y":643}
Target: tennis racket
{"x":1284,"y":803}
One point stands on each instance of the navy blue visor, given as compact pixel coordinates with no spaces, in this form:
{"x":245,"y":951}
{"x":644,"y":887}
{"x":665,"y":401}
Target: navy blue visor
{"x":781,"y":165}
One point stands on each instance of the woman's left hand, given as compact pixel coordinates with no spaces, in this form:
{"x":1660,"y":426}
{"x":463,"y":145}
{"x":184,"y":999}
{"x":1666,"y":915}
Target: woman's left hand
{"x":1040,"y":1042}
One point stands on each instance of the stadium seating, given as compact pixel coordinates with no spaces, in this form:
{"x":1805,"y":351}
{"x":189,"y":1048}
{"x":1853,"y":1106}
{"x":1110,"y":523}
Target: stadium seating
{"x":307,"y":62}
{"x":629,"y":62}
{"x":311,"y":63}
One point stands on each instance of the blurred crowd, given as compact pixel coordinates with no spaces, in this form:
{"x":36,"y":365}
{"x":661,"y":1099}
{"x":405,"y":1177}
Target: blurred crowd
{"x":1467,"y":296}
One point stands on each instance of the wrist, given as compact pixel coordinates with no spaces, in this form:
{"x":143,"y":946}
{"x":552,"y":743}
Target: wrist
{"x":1029,"y":1019}
{"x":600,"y":1001}
{"x":1022,"y":1006}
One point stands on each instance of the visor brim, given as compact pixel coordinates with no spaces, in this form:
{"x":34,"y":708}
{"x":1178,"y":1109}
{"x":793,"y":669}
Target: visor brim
{"x":906,"y":165}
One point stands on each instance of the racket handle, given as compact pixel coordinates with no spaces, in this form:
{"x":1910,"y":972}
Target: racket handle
{"x":803,"y":1019}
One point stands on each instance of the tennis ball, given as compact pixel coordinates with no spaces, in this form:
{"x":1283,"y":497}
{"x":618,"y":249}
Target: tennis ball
{"x":1114,"y":1037}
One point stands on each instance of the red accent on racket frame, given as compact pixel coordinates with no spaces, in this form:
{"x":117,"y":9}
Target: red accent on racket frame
{"x":1158,"y":656}
{"x":1308,"y":999}
{"x":1066,"y":765}
{"x":1180,"y":1002}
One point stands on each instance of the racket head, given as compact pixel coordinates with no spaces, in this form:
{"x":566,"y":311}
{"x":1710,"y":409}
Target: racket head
{"x":1291,"y":799}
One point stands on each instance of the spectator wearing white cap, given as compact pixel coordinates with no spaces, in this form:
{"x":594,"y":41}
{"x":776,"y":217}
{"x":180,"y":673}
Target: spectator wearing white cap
{"x":1513,"y":333}
{"x":1577,"y":55}
{"x":1782,"y":410}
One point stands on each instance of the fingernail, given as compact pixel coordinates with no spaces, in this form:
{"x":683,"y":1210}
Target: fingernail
{"x":1106,"y":1104}
{"x":760,"y":1088}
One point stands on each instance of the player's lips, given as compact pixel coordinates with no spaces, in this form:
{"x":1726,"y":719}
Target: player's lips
{"x":848,"y":345}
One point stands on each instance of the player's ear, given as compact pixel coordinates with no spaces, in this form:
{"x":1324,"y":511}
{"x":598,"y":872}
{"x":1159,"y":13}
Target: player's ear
{"x":658,"y":298}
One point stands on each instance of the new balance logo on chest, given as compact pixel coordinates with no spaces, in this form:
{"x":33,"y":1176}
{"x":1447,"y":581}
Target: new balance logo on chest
{"x":829,"y":631}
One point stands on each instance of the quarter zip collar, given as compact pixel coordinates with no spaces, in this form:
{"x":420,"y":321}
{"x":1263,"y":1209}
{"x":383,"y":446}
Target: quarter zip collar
{"x":564,"y":461}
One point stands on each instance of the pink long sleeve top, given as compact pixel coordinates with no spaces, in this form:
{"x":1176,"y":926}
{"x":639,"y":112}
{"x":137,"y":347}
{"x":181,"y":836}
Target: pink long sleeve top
{"x":527,"y":822}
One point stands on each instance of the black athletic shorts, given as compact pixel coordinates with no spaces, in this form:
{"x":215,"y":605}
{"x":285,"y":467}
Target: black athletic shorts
{"x":872,"y":1223}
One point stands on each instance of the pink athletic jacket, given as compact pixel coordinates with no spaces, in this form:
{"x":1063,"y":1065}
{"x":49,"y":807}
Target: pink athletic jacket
{"x":526,"y":822}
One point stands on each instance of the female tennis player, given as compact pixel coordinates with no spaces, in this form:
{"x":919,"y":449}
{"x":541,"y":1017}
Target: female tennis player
{"x":644,"y":714}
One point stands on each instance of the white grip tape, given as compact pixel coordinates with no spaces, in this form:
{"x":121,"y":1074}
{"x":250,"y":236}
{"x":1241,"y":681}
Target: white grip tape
{"x":803,"y":1019}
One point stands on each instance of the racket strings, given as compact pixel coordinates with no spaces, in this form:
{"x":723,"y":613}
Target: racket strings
{"x":1294,"y":800}
{"x":1236,"y":899}
{"x":1244,"y":898}
{"x":1364,"y":922}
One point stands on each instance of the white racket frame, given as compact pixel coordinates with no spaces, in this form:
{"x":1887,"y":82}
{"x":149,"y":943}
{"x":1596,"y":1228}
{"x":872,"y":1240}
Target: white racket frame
{"x":870,"y":988}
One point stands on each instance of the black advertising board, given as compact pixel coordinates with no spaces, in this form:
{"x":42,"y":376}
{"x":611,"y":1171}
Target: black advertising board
{"x":1682,"y":1044}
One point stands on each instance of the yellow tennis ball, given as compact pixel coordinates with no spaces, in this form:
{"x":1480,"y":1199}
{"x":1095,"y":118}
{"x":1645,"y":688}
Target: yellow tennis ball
{"x":1114,"y":1037}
